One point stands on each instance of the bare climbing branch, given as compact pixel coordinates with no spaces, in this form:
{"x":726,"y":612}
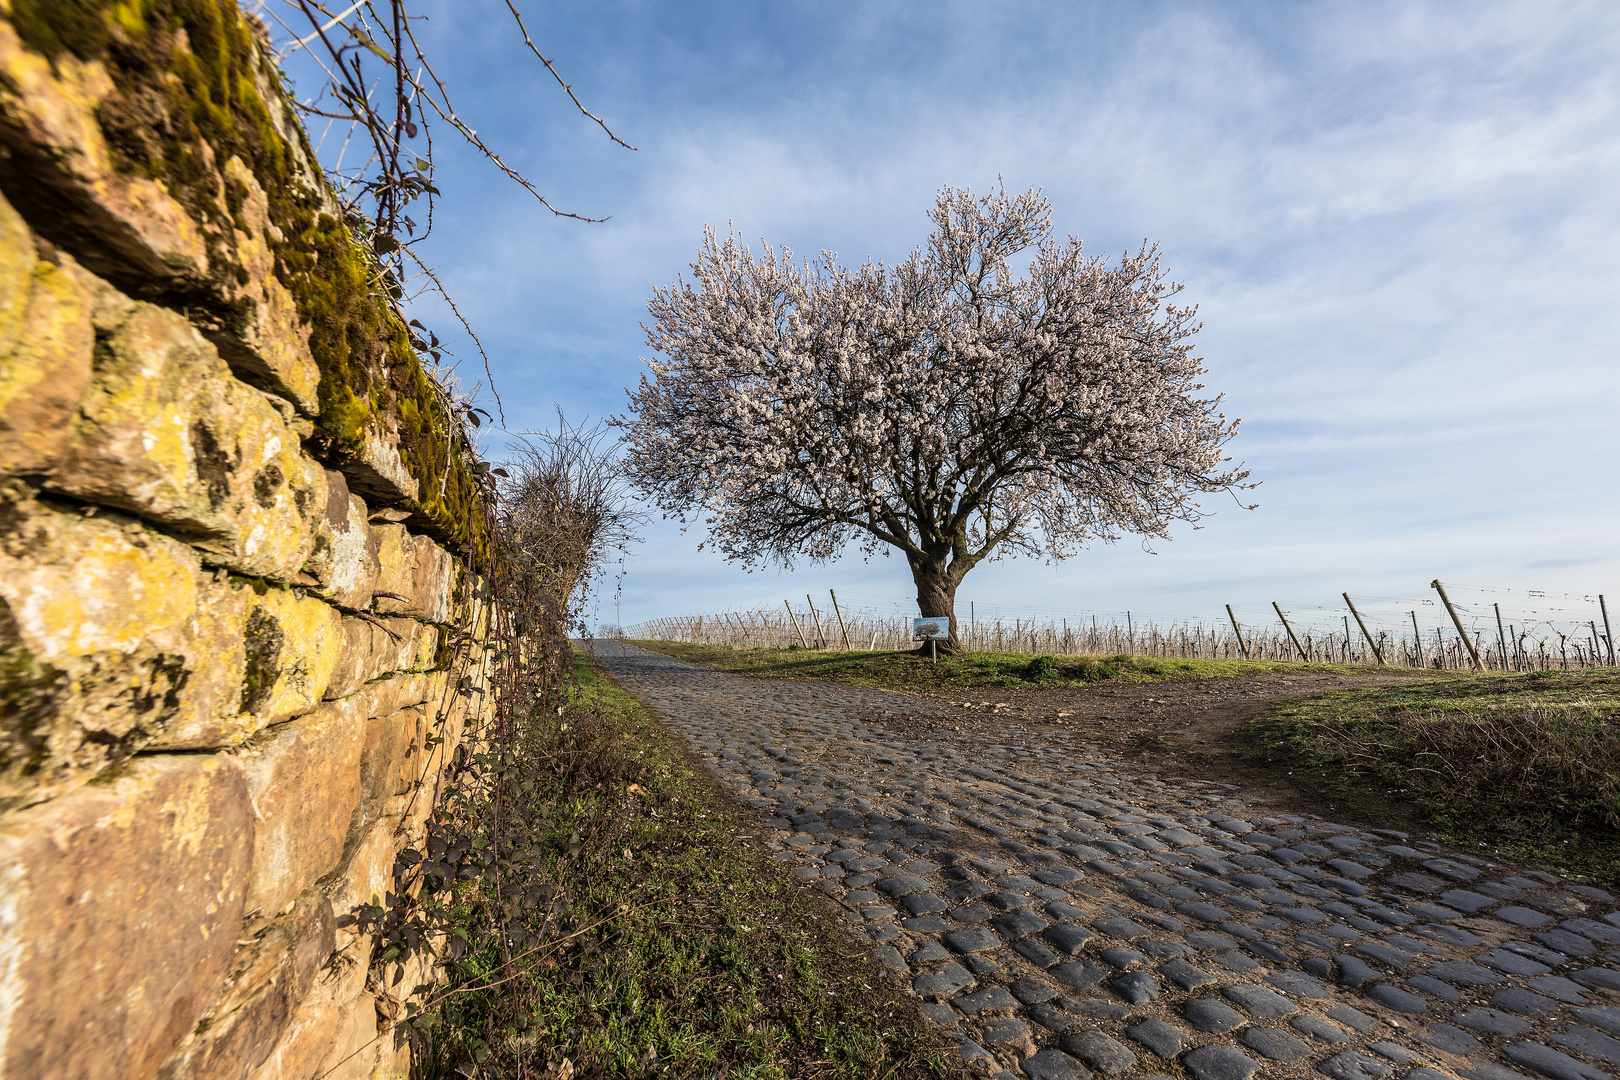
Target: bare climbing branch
{"x":566,"y":88}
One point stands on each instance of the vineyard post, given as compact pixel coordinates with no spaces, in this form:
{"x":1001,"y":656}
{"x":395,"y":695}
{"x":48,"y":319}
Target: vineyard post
{"x":1238,"y":631}
{"x":841,"y":627}
{"x":1501,"y":637}
{"x":1457,"y":622}
{"x":821,"y":638}
{"x":1417,"y":637}
{"x":1607,"y":633}
{"x":796,"y":626}
{"x":1290,"y":630}
{"x":1376,"y":651}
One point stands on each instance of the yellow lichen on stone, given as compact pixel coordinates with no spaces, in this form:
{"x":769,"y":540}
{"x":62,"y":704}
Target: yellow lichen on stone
{"x":133,"y":646}
{"x":167,"y":432}
{"x":311,"y":641}
{"x":79,"y":586}
{"x":16,"y":270}
{"x":99,"y":640}
{"x":46,"y":340}
{"x":54,"y":106}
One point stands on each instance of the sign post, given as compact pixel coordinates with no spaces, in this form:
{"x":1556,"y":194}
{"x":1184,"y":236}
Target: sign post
{"x":931,"y":630}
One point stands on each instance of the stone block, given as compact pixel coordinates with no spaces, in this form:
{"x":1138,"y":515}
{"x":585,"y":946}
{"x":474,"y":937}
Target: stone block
{"x":270,"y":976}
{"x":17,"y":257}
{"x":373,"y":649}
{"x":332,"y":1010}
{"x":46,"y":340}
{"x":293,"y":643}
{"x":116,"y":221}
{"x":104,"y":645}
{"x":390,"y":757}
{"x":115,"y":641}
{"x":416,"y":575}
{"x":128,"y":228}
{"x":304,"y":779}
{"x":167,"y":433}
{"x":123,"y":902}
{"x":266,"y":343}
{"x":387,"y":696}
{"x":379,"y":473}
{"x":282,"y":650}
{"x":357,"y":1051}
{"x":368,"y":875}
{"x":343,"y":560}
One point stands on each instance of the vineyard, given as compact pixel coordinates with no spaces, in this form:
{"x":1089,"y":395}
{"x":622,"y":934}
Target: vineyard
{"x":1515,"y":630}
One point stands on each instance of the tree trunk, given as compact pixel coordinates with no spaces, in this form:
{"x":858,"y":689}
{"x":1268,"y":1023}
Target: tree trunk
{"x":936,"y":598}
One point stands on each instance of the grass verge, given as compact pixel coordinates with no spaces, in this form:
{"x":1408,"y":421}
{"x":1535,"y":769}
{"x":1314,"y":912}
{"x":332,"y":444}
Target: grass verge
{"x":909,"y":671}
{"x":1525,"y":765}
{"x":671,"y":947}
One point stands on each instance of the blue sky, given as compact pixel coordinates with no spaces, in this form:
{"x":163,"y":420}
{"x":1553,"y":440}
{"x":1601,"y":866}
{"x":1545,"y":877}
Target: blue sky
{"x":1400,"y":221}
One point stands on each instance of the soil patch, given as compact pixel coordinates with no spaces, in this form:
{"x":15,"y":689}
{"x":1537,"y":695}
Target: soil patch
{"x":1195,"y":729}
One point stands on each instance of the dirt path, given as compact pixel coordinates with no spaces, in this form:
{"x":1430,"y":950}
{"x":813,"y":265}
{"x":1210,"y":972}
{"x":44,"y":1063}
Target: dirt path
{"x":1192,"y":729}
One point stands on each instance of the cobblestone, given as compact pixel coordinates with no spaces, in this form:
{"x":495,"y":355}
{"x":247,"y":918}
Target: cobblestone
{"x":1055,"y":907}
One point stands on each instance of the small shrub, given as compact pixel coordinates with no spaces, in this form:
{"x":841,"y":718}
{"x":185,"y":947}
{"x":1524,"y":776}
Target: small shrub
{"x":1041,"y":669}
{"x":1095,"y":670}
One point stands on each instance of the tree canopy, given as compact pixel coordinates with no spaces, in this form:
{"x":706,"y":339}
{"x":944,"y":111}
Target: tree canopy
{"x":946,"y":407}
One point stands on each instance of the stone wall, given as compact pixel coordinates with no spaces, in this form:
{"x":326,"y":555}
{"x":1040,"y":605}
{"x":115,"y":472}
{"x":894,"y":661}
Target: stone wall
{"x":236,"y":521}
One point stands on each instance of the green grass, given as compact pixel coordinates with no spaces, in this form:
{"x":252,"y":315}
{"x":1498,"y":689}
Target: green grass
{"x":687,"y":951}
{"x":908,"y":671}
{"x":1525,"y":766}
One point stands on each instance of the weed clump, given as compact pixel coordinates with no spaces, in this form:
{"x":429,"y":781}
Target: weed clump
{"x":1040,"y":669}
{"x":1096,"y":670}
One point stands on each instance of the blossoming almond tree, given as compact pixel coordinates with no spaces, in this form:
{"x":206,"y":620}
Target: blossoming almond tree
{"x":945,"y":407}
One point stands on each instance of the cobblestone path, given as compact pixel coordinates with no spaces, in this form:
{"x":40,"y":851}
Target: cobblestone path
{"x":1064,"y":916}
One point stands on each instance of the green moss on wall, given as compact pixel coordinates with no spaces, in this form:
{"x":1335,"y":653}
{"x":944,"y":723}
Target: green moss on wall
{"x":188,"y":75}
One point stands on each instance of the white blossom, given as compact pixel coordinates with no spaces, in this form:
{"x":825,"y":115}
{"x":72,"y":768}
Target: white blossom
{"x":943,"y":406}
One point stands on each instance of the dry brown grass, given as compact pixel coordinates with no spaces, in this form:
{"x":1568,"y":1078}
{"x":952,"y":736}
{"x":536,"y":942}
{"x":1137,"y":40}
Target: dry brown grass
{"x":1525,"y":760}
{"x":1529,"y":763}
